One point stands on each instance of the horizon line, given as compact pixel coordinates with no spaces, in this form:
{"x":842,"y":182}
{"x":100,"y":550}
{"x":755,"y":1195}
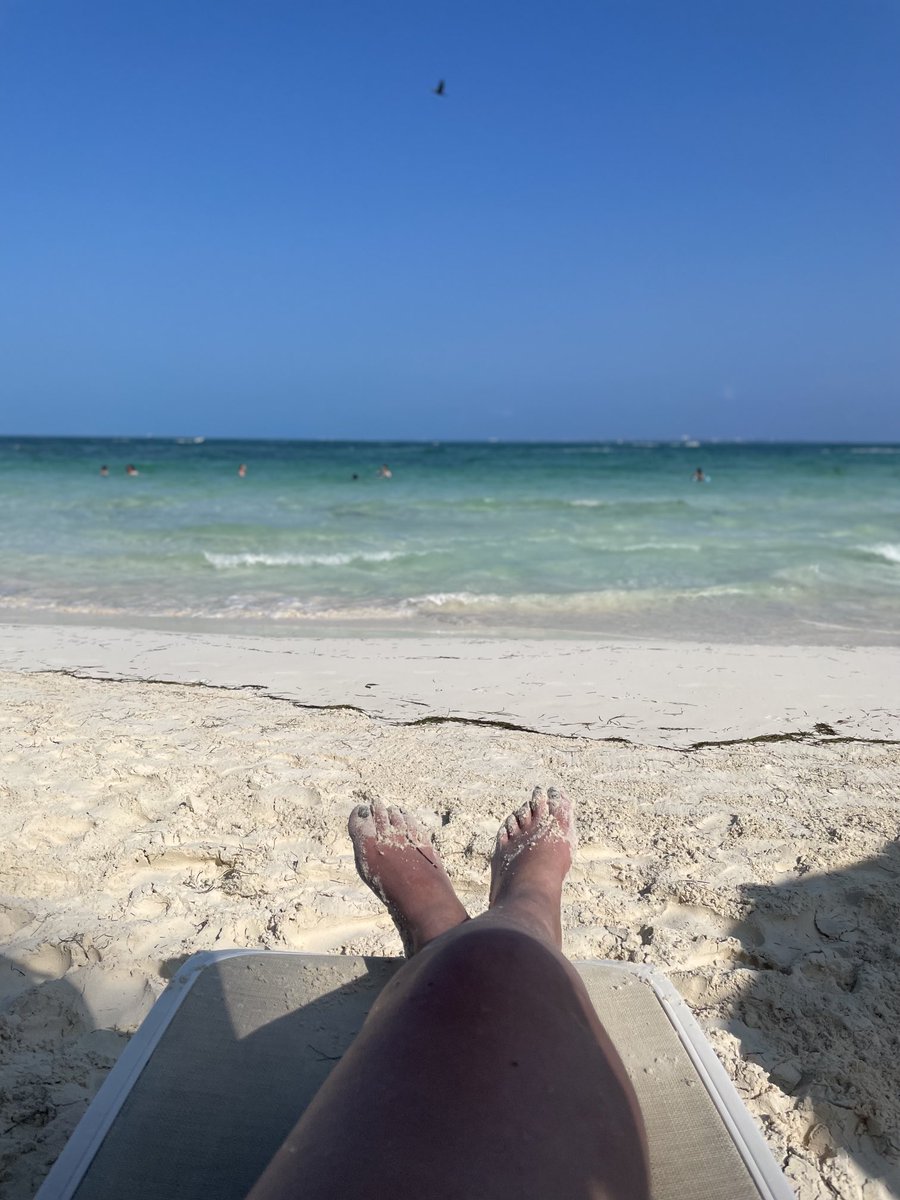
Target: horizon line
{"x":685,"y":441}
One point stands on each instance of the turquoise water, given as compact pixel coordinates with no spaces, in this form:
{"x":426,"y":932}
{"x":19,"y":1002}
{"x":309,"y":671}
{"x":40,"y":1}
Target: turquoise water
{"x":796,"y":542}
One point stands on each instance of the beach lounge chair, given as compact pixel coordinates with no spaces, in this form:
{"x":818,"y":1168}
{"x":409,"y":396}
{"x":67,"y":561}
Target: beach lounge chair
{"x":239,"y":1042}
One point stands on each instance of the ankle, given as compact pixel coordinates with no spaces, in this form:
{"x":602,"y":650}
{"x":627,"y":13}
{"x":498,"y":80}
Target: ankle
{"x":538,"y":893}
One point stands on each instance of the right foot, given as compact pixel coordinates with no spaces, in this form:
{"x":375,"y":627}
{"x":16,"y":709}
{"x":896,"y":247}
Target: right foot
{"x":532,"y":857}
{"x":404,"y":871}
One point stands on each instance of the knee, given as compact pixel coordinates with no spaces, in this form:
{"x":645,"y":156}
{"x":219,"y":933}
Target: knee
{"x":486,"y":966}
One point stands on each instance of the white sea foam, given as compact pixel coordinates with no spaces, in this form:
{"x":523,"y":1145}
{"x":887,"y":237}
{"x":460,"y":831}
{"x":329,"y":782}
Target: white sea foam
{"x":660,"y":546}
{"x":890,"y":552}
{"x":223,"y":562}
{"x":449,"y":599}
{"x":579,"y":603}
{"x":722,"y":590}
{"x":631,"y":504}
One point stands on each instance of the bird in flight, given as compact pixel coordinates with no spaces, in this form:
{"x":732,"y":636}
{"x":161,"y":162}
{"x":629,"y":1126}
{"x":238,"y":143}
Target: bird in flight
{"x":439,"y":90}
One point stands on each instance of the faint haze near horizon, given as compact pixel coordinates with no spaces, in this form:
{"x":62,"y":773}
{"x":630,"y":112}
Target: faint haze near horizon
{"x":620,"y":221}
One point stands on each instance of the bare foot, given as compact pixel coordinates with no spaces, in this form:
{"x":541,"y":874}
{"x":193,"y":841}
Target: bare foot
{"x":531,"y":859}
{"x":404,"y":871}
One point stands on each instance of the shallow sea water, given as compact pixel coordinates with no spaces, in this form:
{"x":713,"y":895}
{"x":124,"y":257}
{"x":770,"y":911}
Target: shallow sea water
{"x":783,"y":543}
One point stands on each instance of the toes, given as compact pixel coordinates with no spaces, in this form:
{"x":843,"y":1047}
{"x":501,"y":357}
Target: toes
{"x":532,"y":814}
{"x":380,"y":817}
{"x":361,"y":823}
{"x":557,"y":801}
{"x":539,"y":803}
{"x":400,"y":820}
{"x":560,"y":807}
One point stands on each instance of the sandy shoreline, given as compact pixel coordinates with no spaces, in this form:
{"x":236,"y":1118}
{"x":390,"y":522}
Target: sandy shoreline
{"x":143,"y":821}
{"x":654,"y":693}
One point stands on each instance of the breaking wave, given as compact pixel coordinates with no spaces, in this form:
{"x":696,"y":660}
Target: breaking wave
{"x":224,"y":562}
{"x":884,"y":550}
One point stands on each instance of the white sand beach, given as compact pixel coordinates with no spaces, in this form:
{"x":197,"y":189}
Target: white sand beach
{"x":739,"y":815}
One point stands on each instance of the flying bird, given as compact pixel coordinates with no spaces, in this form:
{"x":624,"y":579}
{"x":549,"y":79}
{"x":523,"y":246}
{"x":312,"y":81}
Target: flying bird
{"x":439,"y":90}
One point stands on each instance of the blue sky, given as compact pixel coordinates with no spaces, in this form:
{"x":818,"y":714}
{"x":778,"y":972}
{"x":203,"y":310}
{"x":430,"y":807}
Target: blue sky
{"x":625,"y":218}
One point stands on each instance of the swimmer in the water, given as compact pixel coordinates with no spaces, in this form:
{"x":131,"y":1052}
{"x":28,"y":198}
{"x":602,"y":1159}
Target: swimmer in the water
{"x":104,"y":471}
{"x":385,"y":471}
{"x":699,"y":477}
{"x":131,"y":469}
{"x":242,"y":471}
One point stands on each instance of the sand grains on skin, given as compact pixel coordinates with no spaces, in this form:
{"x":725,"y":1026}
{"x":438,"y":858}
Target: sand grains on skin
{"x":532,"y":855}
{"x":401,"y":866}
{"x":546,"y":822}
{"x":549,"y":815}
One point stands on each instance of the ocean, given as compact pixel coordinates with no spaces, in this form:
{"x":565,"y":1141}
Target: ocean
{"x":782,"y":543}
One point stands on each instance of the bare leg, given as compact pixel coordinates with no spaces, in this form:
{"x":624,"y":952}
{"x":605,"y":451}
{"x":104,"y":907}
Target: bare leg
{"x":482,"y":1070}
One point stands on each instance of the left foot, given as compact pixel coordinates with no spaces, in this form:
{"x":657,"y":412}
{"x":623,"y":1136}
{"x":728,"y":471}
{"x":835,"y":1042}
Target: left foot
{"x":404,"y":871}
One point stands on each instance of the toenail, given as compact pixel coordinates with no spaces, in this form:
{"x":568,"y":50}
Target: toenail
{"x":363,"y":810}
{"x":552,"y":794}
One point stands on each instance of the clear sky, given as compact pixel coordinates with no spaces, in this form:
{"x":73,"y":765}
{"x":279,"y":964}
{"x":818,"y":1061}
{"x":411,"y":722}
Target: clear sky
{"x":625,"y":218}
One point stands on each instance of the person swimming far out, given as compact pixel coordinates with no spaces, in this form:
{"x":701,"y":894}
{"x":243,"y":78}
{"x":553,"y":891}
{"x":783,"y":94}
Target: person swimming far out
{"x":242,"y":471}
{"x":698,"y":476}
{"x":104,"y":471}
{"x":131,"y":469}
{"x":385,"y":471}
